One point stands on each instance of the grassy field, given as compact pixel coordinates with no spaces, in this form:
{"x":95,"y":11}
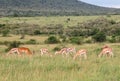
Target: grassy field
{"x":57,"y":68}
{"x":43,"y":21}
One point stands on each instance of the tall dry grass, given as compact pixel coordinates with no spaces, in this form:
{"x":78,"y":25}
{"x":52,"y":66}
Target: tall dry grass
{"x":58,"y":68}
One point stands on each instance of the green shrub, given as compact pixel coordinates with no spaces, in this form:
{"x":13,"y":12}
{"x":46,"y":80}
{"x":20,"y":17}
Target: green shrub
{"x":63,"y":38}
{"x":76,"y":40}
{"x":52,"y":40}
{"x":13,"y":44}
{"x":99,"y":37}
{"x":31,"y":41}
{"x":114,"y":39}
{"x":37,"y":32}
{"x":59,"y":47}
{"x":112,"y":22}
{"x":56,"y":48}
{"x":2,"y":25}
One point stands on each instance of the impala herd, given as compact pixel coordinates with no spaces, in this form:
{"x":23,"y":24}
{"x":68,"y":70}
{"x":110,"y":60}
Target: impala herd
{"x":106,"y":51}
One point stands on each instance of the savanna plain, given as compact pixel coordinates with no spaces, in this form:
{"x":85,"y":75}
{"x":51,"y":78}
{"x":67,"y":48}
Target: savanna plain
{"x":57,"y":68}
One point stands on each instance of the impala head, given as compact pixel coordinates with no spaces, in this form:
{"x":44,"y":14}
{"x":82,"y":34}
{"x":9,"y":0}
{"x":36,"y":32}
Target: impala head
{"x":106,"y":51}
{"x":105,"y":46}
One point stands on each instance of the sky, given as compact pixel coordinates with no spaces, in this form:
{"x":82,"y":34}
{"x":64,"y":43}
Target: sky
{"x":105,"y":3}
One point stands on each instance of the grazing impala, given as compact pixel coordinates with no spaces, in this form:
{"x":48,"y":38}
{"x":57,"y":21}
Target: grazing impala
{"x":66,"y":51}
{"x":106,"y":50}
{"x":20,"y":50}
{"x":71,"y":50}
{"x":13,"y":50}
{"x":44,"y":51}
{"x":81,"y":53}
{"x":62,"y":51}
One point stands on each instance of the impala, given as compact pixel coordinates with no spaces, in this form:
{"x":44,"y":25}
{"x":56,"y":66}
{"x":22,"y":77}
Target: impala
{"x":71,"y":50}
{"x":62,"y":51}
{"x":44,"y":51}
{"x":81,"y":53}
{"x":66,"y":51}
{"x":20,"y":50}
{"x":106,"y":50}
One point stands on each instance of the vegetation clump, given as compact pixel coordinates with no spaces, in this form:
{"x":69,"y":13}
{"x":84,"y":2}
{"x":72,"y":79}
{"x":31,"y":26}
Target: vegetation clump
{"x":13,"y":44}
{"x":52,"y":40}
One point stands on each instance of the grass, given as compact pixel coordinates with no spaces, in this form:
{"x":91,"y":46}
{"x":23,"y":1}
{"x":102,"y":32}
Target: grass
{"x":39,"y":39}
{"x":58,"y":68}
{"x":43,"y":21}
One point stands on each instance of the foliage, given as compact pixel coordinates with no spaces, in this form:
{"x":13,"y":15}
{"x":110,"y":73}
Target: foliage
{"x":37,"y":32}
{"x":31,"y":41}
{"x":62,"y":29}
{"x":2,"y":25}
{"x":13,"y":44}
{"x":57,"y":48}
{"x":52,"y":40}
{"x":99,"y":37}
{"x":114,"y":39}
{"x":76,"y":40}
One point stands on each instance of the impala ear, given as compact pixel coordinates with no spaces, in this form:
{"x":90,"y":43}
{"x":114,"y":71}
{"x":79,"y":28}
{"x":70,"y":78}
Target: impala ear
{"x":105,"y":46}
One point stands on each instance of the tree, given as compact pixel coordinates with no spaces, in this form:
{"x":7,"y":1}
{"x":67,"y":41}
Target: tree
{"x":52,"y":40}
{"x":99,"y":37}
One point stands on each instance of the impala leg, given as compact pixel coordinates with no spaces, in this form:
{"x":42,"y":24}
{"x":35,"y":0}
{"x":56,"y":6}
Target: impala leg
{"x":67,"y":54}
{"x":85,"y":56}
{"x":41,"y":53}
{"x":111,"y":54}
{"x":75,"y":56}
{"x":100,"y":54}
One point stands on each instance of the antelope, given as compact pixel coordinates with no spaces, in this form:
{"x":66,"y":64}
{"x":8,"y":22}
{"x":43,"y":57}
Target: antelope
{"x":44,"y":51}
{"x":71,"y":50}
{"x":62,"y":51}
{"x":81,"y":53}
{"x":20,"y":50}
{"x":106,"y":50}
{"x":66,"y":51}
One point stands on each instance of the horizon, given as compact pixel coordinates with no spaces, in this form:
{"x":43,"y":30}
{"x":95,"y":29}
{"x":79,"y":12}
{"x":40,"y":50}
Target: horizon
{"x":105,"y":3}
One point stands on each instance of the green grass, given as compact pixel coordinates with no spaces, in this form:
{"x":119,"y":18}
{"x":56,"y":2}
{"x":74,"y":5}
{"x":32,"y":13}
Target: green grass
{"x":43,"y":21}
{"x":58,"y":68}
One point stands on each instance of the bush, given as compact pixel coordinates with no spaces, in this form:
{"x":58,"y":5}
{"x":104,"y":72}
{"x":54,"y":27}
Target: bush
{"x":52,"y":40}
{"x":31,"y":41}
{"x":114,"y":39}
{"x":5,"y":33}
{"x":37,"y":32}
{"x":99,"y":37}
{"x":63,"y":38}
{"x":56,"y":48}
{"x":13,"y":44}
{"x":2,"y":25}
{"x":112,"y":22}
{"x":76,"y":40}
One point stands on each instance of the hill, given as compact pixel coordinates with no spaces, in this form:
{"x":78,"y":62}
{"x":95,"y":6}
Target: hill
{"x":51,"y":7}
